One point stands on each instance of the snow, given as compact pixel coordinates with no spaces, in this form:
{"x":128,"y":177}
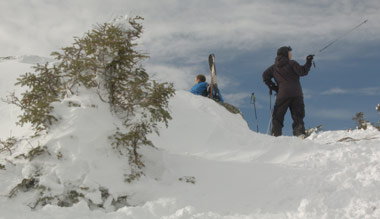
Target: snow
{"x":207,"y":164}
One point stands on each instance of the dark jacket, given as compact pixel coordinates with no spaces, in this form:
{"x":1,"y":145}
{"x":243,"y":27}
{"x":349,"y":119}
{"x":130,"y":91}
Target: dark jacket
{"x":287,"y":75}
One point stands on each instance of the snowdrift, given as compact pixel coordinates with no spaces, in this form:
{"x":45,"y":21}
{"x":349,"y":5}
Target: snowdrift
{"x":207,"y":164}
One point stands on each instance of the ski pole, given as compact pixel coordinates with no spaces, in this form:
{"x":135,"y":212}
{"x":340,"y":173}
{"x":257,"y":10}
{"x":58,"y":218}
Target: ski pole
{"x":339,"y":38}
{"x":271,"y":111}
{"x":211,"y":63}
{"x":253,"y":101}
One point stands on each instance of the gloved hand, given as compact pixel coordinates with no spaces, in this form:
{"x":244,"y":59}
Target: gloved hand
{"x":309,"y":58}
{"x":274,"y":87}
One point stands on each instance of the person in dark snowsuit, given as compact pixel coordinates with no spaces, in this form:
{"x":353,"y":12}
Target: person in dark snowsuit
{"x":286,"y":74}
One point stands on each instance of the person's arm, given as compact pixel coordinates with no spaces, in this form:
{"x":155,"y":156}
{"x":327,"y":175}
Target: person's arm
{"x":267,"y":78}
{"x":303,"y":70}
{"x":194,"y":89}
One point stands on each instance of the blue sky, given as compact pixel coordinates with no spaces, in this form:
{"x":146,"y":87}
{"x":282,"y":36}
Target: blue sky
{"x":243,"y":34}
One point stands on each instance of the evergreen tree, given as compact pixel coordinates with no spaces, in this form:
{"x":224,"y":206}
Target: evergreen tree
{"x":107,"y":61}
{"x":45,"y":87}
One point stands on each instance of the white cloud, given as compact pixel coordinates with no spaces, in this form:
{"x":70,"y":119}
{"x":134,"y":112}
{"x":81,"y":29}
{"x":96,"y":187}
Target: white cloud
{"x":237,"y":99}
{"x":307,"y":93}
{"x":182,"y":78}
{"x":369,"y":91}
{"x":189,"y":29}
{"x":242,"y":99}
{"x":227,"y":82}
{"x":334,"y":91}
{"x":340,"y":114}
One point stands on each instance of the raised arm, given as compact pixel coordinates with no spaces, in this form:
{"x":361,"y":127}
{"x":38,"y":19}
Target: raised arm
{"x":302,"y":70}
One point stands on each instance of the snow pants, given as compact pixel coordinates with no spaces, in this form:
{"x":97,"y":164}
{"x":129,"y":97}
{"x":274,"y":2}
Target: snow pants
{"x":297,"y":110}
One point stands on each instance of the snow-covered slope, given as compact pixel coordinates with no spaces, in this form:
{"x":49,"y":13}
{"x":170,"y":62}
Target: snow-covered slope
{"x":207,"y":164}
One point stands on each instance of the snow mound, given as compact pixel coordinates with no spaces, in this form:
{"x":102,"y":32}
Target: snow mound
{"x":74,"y":159}
{"x":206,"y":164}
{"x":329,"y":174}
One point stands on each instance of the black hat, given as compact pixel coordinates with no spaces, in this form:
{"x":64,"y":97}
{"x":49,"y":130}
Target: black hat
{"x":283,"y":51}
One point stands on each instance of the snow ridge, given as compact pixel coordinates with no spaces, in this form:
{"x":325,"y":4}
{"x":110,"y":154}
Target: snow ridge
{"x":207,"y":164}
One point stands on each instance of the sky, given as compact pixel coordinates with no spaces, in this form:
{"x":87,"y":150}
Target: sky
{"x":244,"y":36}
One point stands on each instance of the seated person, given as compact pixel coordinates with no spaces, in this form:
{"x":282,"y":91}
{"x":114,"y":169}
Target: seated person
{"x":200,"y":86}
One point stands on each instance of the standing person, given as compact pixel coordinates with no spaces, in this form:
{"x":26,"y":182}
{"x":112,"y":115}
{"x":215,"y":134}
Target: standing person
{"x":286,"y":74}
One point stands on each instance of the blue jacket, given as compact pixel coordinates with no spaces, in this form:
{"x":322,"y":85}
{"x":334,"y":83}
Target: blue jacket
{"x":200,"y":89}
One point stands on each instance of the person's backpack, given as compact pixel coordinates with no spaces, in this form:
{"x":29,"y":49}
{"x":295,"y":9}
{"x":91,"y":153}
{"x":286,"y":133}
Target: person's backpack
{"x":215,"y":93}
{"x":206,"y":93}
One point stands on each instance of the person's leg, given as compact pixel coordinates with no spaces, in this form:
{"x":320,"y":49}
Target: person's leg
{"x":297,"y":109}
{"x":279,"y":111}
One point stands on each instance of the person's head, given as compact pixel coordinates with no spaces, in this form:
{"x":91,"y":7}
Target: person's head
{"x":285,"y":51}
{"x":200,"y":78}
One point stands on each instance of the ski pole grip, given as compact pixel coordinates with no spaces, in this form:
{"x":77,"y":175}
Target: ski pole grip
{"x":252,"y":98}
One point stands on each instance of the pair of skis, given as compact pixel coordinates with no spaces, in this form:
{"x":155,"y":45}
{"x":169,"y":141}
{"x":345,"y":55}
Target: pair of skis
{"x":213,"y":88}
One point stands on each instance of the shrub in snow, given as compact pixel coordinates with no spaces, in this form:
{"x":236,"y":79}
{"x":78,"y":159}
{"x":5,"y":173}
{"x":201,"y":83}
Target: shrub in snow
{"x":187,"y":179}
{"x":314,"y":130}
{"x":8,"y":145}
{"x":360,"y":122}
{"x":106,"y":62}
